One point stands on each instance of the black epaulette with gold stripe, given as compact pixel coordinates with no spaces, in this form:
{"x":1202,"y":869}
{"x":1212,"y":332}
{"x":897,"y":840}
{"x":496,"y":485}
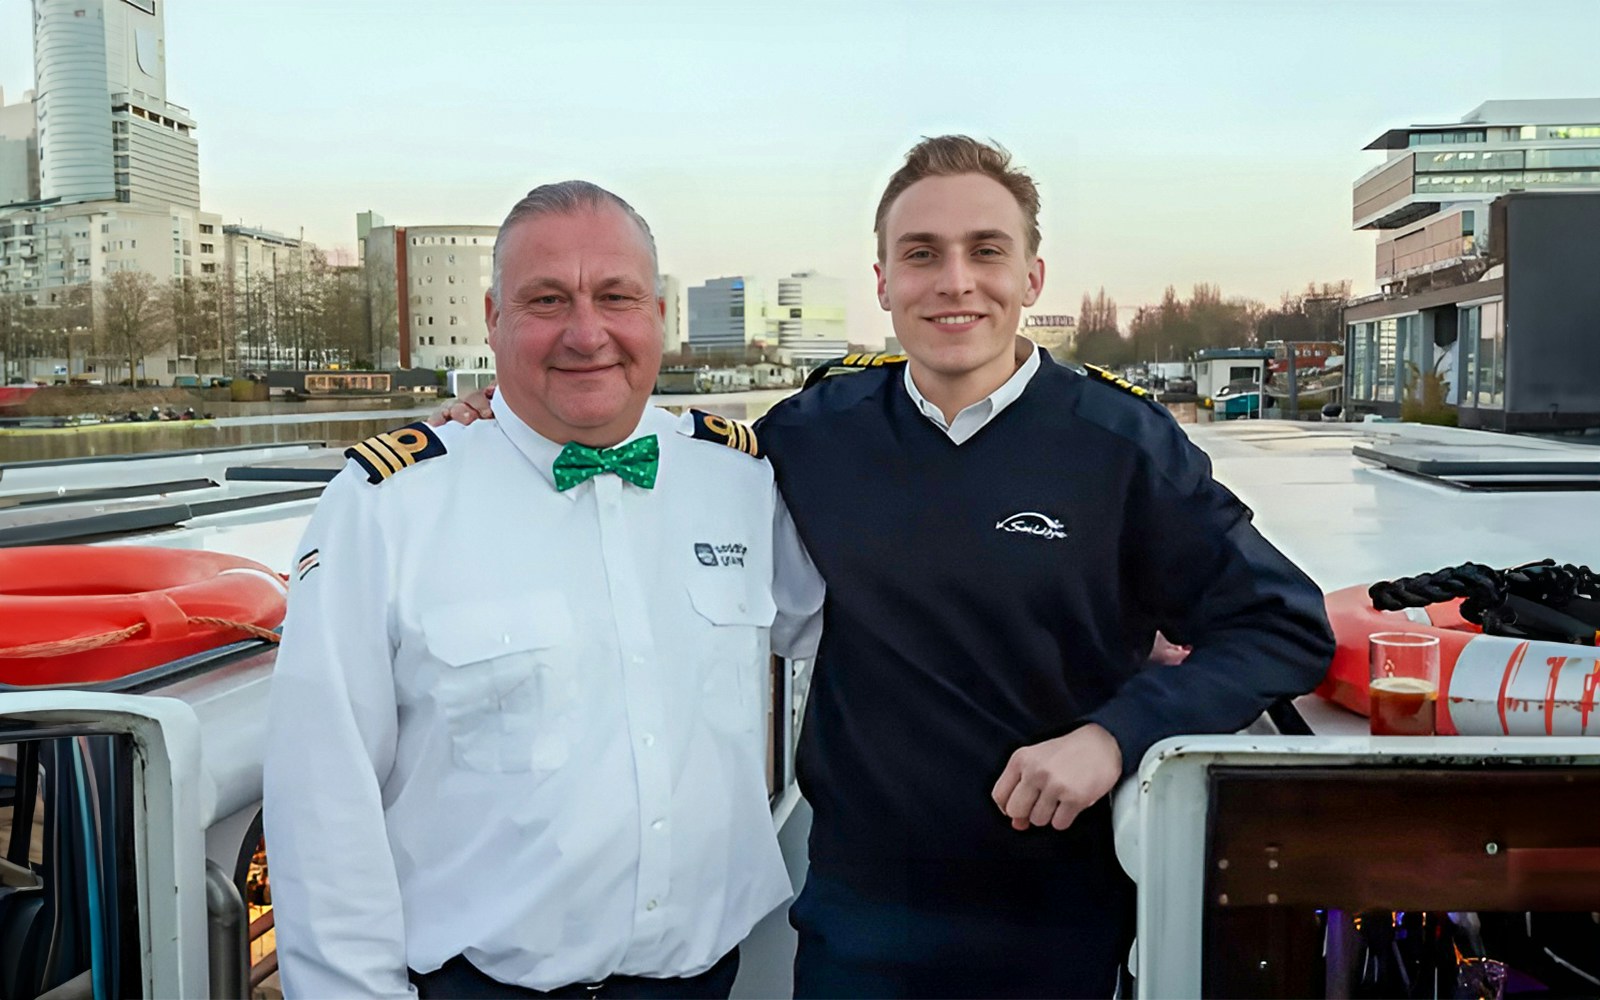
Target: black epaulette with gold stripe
{"x":715,"y":427}
{"x":1117,"y":381}
{"x":385,"y":454}
{"x":851,"y":363}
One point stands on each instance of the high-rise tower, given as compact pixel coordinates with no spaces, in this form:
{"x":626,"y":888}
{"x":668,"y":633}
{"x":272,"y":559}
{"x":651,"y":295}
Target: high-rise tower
{"x":105,"y":128}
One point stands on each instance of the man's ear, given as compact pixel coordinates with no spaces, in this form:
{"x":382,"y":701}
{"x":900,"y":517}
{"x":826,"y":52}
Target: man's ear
{"x":1030,"y":295}
{"x":883,"y":289}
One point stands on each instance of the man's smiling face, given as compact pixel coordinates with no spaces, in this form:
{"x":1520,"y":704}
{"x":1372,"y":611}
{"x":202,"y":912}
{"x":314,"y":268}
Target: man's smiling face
{"x":577,"y":333}
{"x":956,"y":273}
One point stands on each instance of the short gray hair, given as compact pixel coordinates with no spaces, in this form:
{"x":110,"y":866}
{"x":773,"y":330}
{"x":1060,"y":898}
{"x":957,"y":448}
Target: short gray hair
{"x":564,"y":198}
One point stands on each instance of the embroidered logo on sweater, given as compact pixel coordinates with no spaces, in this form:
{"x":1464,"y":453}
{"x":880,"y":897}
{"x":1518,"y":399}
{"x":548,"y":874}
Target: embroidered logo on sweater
{"x":1031,"y":522}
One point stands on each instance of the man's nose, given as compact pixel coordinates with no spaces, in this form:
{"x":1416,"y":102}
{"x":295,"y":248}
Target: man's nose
{"x":585,"y":332}
{"x":955,"y":276}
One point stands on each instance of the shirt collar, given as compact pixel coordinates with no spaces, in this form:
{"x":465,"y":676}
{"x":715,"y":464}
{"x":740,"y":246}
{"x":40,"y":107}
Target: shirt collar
{"x":990,"y":406}
{"x":539,"y":450}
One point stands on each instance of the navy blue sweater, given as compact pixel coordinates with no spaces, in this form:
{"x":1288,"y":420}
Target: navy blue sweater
{"x":990,"y":595}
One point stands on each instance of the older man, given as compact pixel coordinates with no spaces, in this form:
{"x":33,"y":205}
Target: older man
{"x":982,"y":684}
{"x":516,"y":734}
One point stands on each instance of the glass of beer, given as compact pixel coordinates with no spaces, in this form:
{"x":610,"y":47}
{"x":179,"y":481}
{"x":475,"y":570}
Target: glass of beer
{"x":1404,"y":687}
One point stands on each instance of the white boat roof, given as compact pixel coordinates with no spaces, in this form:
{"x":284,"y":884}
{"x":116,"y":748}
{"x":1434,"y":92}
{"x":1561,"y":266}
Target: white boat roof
{"x":1347,"y":520}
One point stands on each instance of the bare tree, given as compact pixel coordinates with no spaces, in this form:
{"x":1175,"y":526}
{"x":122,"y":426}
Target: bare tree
{"x":131,"y":318}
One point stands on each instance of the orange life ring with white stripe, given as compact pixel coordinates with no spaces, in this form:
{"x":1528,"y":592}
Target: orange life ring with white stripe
{"x":74,"y":614}
{"x":1489,"y":685}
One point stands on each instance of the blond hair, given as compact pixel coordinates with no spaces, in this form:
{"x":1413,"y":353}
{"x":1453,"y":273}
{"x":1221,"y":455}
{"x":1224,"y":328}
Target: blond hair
{"x":952,"y":156}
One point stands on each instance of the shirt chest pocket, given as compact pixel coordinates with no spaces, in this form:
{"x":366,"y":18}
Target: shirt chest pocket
{"x":730,"y":642}
{"x":507,"y":681}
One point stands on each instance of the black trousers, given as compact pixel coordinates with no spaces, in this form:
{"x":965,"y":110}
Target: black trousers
{"x":459,"y":979}
{"x":853,"y":944}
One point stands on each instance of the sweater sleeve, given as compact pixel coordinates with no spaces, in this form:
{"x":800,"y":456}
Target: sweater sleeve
{"x":1207,"y":578}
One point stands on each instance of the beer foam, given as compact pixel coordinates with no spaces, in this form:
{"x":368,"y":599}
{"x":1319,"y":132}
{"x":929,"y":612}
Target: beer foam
{"x":1405,"y":685}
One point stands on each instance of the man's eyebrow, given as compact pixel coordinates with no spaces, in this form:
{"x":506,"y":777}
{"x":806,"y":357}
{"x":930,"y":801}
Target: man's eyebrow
{"x":535,"y":286}
{"x":622,"y":282}
{"x":976,"y":236}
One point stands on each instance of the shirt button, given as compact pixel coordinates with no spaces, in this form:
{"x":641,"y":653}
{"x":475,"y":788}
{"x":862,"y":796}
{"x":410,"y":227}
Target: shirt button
{"x":650,"y":905}
{"x":659,"y":824}
{"x":648,"y":740}
{"x":741,"y":605}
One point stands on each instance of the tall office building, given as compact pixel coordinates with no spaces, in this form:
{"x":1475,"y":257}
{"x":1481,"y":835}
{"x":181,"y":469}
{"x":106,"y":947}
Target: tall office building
{"x":811,"y":318}
{"x":106,"y":129}
{"x":728,"y":315}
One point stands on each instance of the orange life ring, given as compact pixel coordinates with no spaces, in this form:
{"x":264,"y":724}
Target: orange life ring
{"x":72,"y":614}
{"x":1489,"y":685}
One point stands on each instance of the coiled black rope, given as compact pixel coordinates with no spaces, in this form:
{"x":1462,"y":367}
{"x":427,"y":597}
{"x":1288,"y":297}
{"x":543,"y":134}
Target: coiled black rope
{"x":1538,"y":600}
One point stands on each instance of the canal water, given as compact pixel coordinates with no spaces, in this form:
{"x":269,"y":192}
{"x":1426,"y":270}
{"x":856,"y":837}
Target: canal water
{"x":284,"y":426}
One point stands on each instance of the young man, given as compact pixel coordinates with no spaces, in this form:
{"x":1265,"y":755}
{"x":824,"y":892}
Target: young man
{"x":1001,"y":536}
{"x":516,"y":745}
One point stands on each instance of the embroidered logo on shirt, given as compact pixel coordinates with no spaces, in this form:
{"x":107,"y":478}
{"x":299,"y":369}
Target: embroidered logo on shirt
{"x":731,"y":554}
{"x":1031,"y":522}
{"x":308,"y":562}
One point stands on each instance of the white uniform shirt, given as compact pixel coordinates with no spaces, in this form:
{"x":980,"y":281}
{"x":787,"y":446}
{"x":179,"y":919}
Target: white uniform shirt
{"x":972,"y":419}
{"x":527,"y":726}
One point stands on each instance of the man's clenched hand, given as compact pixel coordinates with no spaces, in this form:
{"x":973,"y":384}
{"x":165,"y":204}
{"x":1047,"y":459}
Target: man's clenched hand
{"x":1050,"y":783}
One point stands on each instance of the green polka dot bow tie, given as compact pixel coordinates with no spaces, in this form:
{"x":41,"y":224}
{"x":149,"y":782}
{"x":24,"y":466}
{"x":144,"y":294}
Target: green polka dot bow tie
{"x":635,"y":461}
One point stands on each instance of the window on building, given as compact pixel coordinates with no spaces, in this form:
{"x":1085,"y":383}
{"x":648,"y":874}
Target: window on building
{"x":427,"y":260}
{"x":206,"y":229}
{"x":208,"y":269}
{"x":454,"y":320}
{"x":430,"y":320}
{"x":452,"y":340}
{"x":208,"y":248}
{"x":419,"y":320}
{"x":450,"y":258}
{"x":452,"y":279}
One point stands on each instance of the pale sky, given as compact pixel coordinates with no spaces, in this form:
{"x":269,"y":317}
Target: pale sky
{"x":1173,"y":142}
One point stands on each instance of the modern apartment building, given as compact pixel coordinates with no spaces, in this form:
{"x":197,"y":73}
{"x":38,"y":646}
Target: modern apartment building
{"x":426,"y":285}
{"x":810,"y":318}
{"x":1435,"y":203}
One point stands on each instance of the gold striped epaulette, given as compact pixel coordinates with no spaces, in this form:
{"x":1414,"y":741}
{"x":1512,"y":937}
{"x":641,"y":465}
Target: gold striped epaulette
{"x":385,"y":454}
{"x":851,"y":363}
{"x":1113,"y":379}
{"x":715,"y":427}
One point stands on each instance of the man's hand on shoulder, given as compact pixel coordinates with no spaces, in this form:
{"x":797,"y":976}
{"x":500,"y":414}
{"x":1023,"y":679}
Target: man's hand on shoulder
{"x":465,"y":411}
{"x":1050,"y":783}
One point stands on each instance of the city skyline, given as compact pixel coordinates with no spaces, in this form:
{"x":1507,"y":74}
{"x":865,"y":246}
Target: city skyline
{"x":1174,"y":143}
